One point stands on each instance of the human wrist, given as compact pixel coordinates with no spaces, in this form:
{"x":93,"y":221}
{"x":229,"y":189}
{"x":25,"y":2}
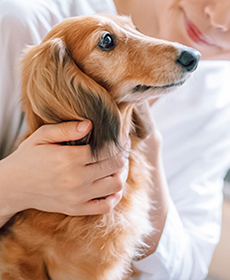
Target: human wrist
{"x":7,"y":206}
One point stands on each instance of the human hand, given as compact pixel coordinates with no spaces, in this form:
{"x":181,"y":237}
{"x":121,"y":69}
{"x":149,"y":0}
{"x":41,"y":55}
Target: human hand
{"x":43,"y":175}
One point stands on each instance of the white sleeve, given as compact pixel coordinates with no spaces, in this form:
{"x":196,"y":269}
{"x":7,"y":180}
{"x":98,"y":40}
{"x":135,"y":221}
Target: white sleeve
{"x":22,"y":23}
{"x":187,"y":244}
{"x":196,"y":136}
{"x":11,"y":44}
{"x":20,"y":26}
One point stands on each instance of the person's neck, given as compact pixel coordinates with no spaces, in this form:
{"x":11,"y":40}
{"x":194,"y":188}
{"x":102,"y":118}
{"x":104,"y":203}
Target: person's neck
{"x":142,"y":12}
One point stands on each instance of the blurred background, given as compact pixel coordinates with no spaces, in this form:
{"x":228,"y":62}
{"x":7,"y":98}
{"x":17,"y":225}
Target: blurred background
{"x":220,"y":265}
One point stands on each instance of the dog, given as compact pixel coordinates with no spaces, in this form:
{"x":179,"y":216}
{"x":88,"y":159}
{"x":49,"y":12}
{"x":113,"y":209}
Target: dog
{"x":100,"y":68}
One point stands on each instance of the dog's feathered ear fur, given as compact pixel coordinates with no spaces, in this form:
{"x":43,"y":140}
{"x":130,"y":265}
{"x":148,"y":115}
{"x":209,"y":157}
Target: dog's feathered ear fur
{"x":54,"y":89}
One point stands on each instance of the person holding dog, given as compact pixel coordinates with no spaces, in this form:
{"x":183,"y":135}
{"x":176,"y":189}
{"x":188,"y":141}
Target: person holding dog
{"x":193,"y":123}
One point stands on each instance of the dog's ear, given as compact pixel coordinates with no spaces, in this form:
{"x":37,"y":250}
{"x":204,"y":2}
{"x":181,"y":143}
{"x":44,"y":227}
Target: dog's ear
{"x":141,"y":127}
{"x":54,"y":89}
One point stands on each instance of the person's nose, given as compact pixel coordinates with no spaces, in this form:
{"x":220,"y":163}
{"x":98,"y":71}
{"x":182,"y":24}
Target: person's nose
{"x":218,"y":13}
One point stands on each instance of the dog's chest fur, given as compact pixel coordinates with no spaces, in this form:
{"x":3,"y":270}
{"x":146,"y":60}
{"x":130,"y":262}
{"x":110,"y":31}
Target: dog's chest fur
{"x":88,"y":247}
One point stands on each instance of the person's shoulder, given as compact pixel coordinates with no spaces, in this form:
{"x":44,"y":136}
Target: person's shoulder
{"x":12,"y":10}
{"x":27,"y":21}
{"x":16,"y":16}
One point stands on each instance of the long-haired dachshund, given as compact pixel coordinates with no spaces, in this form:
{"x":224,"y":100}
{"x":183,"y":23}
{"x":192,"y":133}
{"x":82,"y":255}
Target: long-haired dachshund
{"x":98,"y":68}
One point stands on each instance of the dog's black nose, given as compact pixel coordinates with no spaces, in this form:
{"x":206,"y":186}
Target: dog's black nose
{"x":188,"y":59}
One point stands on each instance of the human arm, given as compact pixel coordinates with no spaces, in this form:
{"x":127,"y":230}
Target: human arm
{"x":192,"y":226}
{"x":159,"y":188}
{"x":28,"y":175}
{"x":43,"y":175}
{"x":185,"y":245}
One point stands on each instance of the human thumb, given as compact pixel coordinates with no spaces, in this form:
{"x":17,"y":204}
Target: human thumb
{"x":63,"y":132}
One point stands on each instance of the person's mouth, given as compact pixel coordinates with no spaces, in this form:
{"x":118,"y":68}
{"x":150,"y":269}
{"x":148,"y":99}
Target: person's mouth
{"x":195,"y":34}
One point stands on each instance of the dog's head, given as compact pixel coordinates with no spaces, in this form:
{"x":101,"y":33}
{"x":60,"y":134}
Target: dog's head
{"x":95,"y":68}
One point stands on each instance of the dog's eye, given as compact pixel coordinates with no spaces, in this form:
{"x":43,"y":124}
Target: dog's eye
{"x":107,"y":42}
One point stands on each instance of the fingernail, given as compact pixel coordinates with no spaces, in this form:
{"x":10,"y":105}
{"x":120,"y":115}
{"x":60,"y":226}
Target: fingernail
{"x":83,"y":125}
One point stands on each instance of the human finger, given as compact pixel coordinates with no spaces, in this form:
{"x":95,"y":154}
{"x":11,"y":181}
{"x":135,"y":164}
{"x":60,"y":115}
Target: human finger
{"x":66,"y":131}
{"x":105,"y":187}
{"x":107,"y":167}
{"x":102,"y":206}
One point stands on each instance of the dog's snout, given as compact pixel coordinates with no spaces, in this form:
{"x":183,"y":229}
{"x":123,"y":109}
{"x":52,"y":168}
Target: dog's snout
{"x":188,"y":59}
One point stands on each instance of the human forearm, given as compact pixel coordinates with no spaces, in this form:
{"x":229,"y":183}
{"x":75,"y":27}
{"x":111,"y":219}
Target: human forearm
{"x":159,"y":193}
{"x":180,"y":254}
{"x":182,"y":245}
{"x":158,"y":183}
{"x":6,"y":208}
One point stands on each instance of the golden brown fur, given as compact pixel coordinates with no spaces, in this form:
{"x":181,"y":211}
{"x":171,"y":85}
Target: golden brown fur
{"x":68,"y":77}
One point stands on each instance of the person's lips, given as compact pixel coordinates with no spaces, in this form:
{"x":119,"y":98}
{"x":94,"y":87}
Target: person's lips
{"x":195,"y":34}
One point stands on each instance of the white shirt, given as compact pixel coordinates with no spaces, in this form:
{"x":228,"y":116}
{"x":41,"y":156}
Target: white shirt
{"x":194,"y":123}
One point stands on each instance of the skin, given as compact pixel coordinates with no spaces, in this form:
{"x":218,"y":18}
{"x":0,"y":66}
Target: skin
{"x":212,"y":19}
{"x":38,"y":159}
{"x":65,"y":179}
